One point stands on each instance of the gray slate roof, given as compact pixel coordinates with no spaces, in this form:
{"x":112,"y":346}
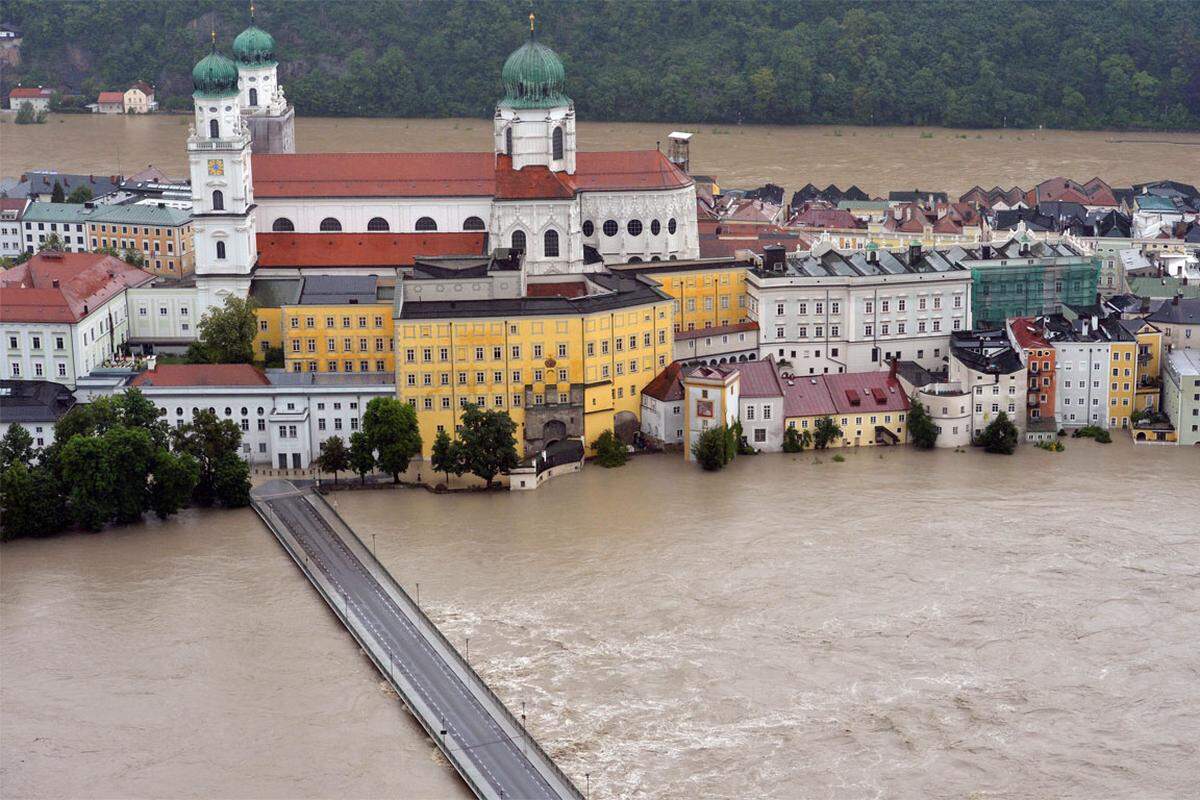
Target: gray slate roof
{"x":34,"y":401}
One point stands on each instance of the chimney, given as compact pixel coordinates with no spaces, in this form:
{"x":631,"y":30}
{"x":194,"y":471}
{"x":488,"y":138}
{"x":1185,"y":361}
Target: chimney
{"x":774,"y":258}
{"x":987,"y":251}
{"x":892,"y":369}
{"x":914,"y":253}
{"x":1175,"y":299}
{"x":54,"y":283}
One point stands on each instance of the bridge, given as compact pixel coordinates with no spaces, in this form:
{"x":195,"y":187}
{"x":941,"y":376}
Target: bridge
{"x":490,"y":749}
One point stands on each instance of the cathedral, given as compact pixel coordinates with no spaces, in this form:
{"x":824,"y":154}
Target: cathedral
{"x":260,"y":208}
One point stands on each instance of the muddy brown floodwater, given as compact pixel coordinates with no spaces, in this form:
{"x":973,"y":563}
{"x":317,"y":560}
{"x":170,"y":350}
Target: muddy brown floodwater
{"x":877,"y":159}
{"x":904,"y":624}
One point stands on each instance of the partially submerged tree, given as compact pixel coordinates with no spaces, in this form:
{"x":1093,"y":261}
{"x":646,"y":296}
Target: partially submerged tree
{"x":488,"y":443}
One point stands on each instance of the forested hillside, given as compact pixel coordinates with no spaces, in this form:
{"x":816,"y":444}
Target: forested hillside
{"x":1131,"y":63}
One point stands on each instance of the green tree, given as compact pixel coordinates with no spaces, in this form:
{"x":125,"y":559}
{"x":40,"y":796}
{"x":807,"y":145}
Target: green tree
{"x":52,"y":244}
{"x":610,"y":451}
{"x":391,"y":428}
{"x":214,"y":443}
{"x":227,"y":333}
{"x":1000,"y":436}
{"x":362,"y":455}
{"x":825,"y":433}
{"x":446,"y":456}
{"x":334,"y":456}
{"x":16,"y":447}
{"x":89,"y":487}
{"x":791,"y":440}
{"x":921,"y":430}
{"x":56,"y":194}
{"x":488,"y":442}
{"x":174,"y":480}
{"x":80,"y":194}
{"x":128,"y":457}
{"x":714,"y":448}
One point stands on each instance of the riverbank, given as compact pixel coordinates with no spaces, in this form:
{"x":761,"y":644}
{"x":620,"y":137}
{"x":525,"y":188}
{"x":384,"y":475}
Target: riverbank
{"x":913,"y":623}
{"x":877,"y":159}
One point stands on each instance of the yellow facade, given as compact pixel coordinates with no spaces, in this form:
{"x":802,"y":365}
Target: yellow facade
{"x":270,"y":330}
{"x":705,"y":297}
{"x":334,"y":338}
{"x":168,"y":249}
{"x":1149,"y":368}
{"x":597,"y":363}
{"x":857,"y":430}
{"x":1122,"y":383}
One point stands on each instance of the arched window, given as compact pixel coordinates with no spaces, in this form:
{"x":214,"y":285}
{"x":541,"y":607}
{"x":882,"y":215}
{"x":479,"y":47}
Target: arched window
{"x":214,"y":129}
{"x":508,"y":141}
{"x":220,"y":249}
{"x":254,"y":97}
{"x":634,"y":227}
{"x":473,"y":224}
{"x":378,"y":224}
{"x":283,"y":224}
{"x":634,"y":260}
{"x":218,"y":203}
{"x":550,"y":244}
{"x":671,"y":226}
{"x":588,"y":227}
{"x":655,"y":227}
{"x":655,"y":258}
{"x":611,"y":227}
{"x":518,"y":241}
{"x":557,"y":140}
{"x":330,"y":224}
{"x":426,"y":224}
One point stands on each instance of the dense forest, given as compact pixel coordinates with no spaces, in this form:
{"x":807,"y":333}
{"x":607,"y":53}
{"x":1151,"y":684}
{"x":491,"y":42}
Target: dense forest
{"x":1112,"y":64}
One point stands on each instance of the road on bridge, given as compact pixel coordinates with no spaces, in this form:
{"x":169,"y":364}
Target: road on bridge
{"x":466,"y":729}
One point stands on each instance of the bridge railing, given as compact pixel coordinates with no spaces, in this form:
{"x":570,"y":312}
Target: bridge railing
{"x":294,"y":549}
{"x":376,"y":568}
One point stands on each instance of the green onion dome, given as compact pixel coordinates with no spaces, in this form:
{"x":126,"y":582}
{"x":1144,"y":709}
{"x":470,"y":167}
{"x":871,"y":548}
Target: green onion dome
{"x":215,"y":76}
{"x":534,"y":77}
{"x":254,"y":46}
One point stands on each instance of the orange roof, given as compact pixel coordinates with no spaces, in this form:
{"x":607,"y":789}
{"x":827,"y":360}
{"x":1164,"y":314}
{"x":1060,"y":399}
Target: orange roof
{"x":874,"y":391}
{"x":666,"y":384}
{"x":29,"y":92}
{"x":202,"y":375}
{"x":531,"y":183}
{"x":450,"y":174}
{"x":363,"y":249}
{"x":717,"y":330}
{"x":1028,"y":335}
{"x":556,"y":289}
{"x":111,"y":97}
{"x":63,"y":287}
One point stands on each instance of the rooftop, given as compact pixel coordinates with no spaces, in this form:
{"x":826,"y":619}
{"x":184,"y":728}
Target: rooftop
{"x":34,"y":401}
{"x":64,"y":287}
{"x":1185,"y":362}
{"x":1177,"y":312}
{"x":391,"y":250}
{"x":866,"y":391}
{"x":201,"y":375}
{"x":666,"y":385}
{"x":612,"y":292}
{"x":717,"y":330}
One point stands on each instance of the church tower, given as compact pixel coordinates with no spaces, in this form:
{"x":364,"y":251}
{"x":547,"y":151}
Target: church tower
{"x":222,"y":187}
{"x":268,"y":115}
{"x":535,"y":121}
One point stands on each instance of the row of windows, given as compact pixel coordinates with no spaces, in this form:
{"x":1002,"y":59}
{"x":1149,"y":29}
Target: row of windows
{"x":129,"y":244}
{"x":381,"y":344}
{"x":132,"y":229}
{"x":311,"y":322}
{"x":549,"y":242}
{"x":562,"y":350}
{"x":35,"y":342}
{"x":66,"y":227}
{"x":363,"y":365}
{"x":634,"y":227}
{"x":845,"y":420}
{"x":39,"y":370}
{"x":376,"y":224}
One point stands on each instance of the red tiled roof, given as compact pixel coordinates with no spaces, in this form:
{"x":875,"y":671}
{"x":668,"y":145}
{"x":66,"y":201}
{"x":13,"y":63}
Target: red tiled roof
{"x":202,"y":375}
{"x":813,"y":217}
{"x":666,"y":384}
{"x":443,"y":174}
{"x":29,"y":92}
{"x":111,"y":97}
{"x":1095,"y":193}
{"x":806,"y":396}
{"x":865,"y":384}
{"x":363,"y":249}
{"x":146,"y":88}
{"x":13,"y":203}
{"x":719,"y":330}
{"x":1028,"y":335}
{"x":85,"y":282}
{"x":758,"y":378}
{"x":531,"y":183}
{"x":557,"y":289}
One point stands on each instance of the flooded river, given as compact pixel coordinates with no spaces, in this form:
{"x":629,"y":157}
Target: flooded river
{"x":877,"y":159}
{"x":904,"y":624}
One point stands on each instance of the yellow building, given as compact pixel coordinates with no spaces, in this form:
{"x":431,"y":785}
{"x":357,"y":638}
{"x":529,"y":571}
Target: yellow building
{"x":561,"y":367}
{"x":1122,"y":382}
{"x":706,"y":293}
{"x":1148,"y":389}
{"x":327,"y":323}
{"x":161,"y":234}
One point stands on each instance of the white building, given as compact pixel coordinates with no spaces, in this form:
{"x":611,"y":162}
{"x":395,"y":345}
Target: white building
{"x":829,"y":312}
{"x":986,"y":366}
{"x":284,"y":416}
{"x":66,"y":221}
{"x":718,"y":345}
{"x":11,"y":209}
{"x":63,"y":314}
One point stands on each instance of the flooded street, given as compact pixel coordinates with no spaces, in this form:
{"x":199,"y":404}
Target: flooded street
{"x":903,"y":624}
{"x":877,"y":159}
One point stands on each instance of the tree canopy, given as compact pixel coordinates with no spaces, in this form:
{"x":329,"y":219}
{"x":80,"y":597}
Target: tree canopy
{"x":391,"y":429}
{"x":1110,"y":63}
{"x":227,"y":333}
{"x":487,"y":442}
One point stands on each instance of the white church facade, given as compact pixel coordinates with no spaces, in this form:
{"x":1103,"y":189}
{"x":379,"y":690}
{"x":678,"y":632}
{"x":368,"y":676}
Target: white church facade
{"x":569,"y":212}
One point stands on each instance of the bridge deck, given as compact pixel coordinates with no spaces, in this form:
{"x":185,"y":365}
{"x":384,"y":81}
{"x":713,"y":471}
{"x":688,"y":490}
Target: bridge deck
{"x":478,"y":735}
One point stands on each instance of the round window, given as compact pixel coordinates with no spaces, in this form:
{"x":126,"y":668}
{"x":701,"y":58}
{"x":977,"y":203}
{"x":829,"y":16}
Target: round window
{"x":655,"y":227}
{"x":671,"y":225}
{"x":634,"y":227}
{"x":588,"y":228}
{"x":611,"y":227}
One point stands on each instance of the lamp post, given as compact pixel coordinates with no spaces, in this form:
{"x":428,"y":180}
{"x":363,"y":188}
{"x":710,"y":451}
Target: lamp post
{"x":374,"y":553}
{"x":588,"y":793}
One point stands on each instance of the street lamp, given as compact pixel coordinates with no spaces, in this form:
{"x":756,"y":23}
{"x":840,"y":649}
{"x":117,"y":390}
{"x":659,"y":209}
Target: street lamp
{"x":374,"y":554}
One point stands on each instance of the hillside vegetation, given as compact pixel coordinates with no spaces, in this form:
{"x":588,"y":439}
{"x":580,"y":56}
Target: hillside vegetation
{"x":1132,"y":63}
